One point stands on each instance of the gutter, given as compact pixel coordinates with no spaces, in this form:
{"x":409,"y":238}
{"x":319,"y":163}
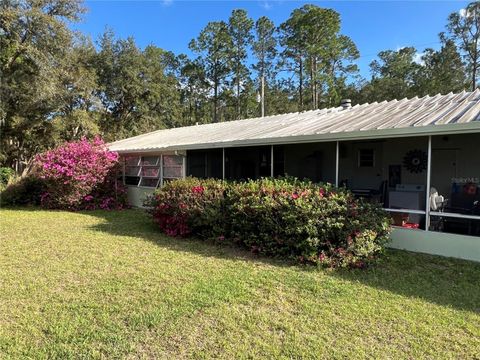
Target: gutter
{"x":376,"y":134}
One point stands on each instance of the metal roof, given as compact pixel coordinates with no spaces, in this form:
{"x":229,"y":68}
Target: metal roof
{"x":429,"y":115}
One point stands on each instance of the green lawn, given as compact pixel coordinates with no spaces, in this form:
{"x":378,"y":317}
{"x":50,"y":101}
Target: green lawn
{"x":108,"y":284}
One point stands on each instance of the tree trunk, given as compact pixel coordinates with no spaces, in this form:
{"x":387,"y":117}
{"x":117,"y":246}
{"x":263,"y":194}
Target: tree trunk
{"x":238,"y":92}
{"x":263,"y":95}
{"x":301,"y":83}
{"x":215,"y":95}
{"x":474,"y":68}
{"x":312,"y":83}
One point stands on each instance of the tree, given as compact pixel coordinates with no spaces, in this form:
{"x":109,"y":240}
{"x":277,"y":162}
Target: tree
{"x":265,"y":50}
{"x":443,"y":70}
{"x":194,"y":91}
{"x":464,"y":29}
{"x":395,"y":75}
{"x":79,"y":116}
{"x":312,"y":40}
{"x":214,"y":45}
{"x":339,"y":65}
{"x":292,"y":39}
{"x":239,"y":27}
{"x":34,"y":45}
{"x":136,"y":92}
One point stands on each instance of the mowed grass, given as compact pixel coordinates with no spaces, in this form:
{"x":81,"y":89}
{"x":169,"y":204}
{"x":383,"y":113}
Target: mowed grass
{"x":109,"y":285}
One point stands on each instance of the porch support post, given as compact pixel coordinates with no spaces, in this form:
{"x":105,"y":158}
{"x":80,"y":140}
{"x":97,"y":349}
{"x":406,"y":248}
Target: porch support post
{"x":271,"y":161}
{"x":337,"y":161}
{"x":205,"y":171}
{"x":184,"y":166}
{"x":123,"y":170}
{"x":161,"y":170}
{"x":427,"y":190}
{"x":223,"y":163}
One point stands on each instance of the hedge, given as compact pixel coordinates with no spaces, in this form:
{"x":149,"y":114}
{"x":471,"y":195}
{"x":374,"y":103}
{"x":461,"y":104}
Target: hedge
{"x":78,"y":175}
{"x":309,"y":222}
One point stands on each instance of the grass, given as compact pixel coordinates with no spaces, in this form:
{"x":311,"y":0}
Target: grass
{"x":109,"y":285}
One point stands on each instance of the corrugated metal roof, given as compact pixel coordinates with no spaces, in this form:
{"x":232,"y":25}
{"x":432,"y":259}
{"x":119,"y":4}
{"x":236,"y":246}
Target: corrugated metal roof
{"x":437,"y":114}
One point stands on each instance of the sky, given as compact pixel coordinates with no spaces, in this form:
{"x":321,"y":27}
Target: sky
{"x":373,"y":25}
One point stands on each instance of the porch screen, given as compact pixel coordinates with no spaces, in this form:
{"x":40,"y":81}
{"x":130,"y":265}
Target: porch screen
{"x":147,"y":171}
{"x":454,"y":195}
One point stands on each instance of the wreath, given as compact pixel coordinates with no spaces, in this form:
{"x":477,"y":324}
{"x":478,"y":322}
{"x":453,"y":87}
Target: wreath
{"x":415,"y":161}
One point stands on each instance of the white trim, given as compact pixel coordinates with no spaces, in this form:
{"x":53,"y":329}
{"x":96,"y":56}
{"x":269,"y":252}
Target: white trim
{"x":337,"y":163}
{"x":412,"y":131}
{"x":406,"y":228}
{"x":161,"y":170}
{"x":455,"y":215}
{"x":427,"y":187}
{"x":123,"y":170}
{"x":408,"y":211}
{"x":271,"y":162}
{"x":206,"y":165}
{"x":184,"y":166}
{"x":223,"y":163}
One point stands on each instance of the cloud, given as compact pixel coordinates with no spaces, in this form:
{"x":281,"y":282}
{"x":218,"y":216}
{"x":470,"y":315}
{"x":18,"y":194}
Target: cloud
{"x":462,"y":12}
{"x":265,"y":5}
{"x":167,"y":2}
{"x":418,"y":58}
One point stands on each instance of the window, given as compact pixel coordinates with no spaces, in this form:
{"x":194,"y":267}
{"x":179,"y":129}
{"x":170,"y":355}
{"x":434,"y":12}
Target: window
{"x":172,"y":166}
{"x":147,"y":170}
{"x":205,"y":164}
{"x":366,"y":158}
{"x":132,"y":170}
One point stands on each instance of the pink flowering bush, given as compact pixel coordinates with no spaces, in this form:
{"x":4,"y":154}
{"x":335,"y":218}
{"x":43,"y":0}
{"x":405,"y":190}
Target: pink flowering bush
{"x":80,"y":175}
{"x":312,"y":223}
{"x":189,"y":206}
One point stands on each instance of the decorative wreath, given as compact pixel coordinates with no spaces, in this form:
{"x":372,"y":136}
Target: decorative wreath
{"x":415,"y":161}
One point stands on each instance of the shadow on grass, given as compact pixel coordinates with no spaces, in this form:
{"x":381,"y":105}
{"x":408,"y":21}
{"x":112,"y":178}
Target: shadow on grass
{"x":443,"y":281}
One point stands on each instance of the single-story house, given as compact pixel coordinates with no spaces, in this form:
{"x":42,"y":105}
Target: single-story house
{"x":419,"y":158}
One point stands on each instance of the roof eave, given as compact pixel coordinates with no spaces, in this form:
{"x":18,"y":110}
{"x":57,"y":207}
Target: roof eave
{"x":447,"y":129}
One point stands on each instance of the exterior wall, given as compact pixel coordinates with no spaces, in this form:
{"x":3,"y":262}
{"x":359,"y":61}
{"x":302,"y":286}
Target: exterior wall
{"x":136,"y":195}
{"x":387,"y":152}
{"x":436,"y":243}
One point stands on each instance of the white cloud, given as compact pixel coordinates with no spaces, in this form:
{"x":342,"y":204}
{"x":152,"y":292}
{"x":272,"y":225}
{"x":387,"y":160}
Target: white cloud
{"x":167,"y":2}
{"x":418,"y":58}
{"x":266,"y":5}
{"x":462,"y":12}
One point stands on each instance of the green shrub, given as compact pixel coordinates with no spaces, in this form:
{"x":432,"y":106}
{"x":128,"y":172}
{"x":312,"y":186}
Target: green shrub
{"x":311,"y":222}
{"x":189,"y":206}
{"x":277,"y":217}
{"x":26,"y":190}
{"x":6,"y":174}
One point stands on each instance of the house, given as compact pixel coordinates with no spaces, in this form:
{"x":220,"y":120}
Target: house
{"x":419,"y":158}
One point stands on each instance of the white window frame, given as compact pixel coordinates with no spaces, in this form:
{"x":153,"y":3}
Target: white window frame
{"x":158,"y":164}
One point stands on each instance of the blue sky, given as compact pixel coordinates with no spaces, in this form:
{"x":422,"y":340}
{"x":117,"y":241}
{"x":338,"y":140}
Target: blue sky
{"x":373,"y":25}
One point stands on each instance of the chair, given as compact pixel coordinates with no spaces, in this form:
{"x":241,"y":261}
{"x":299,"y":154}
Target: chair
{"x":465,"y":199}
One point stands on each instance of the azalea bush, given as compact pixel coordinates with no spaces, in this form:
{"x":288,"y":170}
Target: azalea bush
{"x":80,"y":175}
{"x":314,"y":223}
{"x":76,"y":175}
{"x":189,"y":206}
